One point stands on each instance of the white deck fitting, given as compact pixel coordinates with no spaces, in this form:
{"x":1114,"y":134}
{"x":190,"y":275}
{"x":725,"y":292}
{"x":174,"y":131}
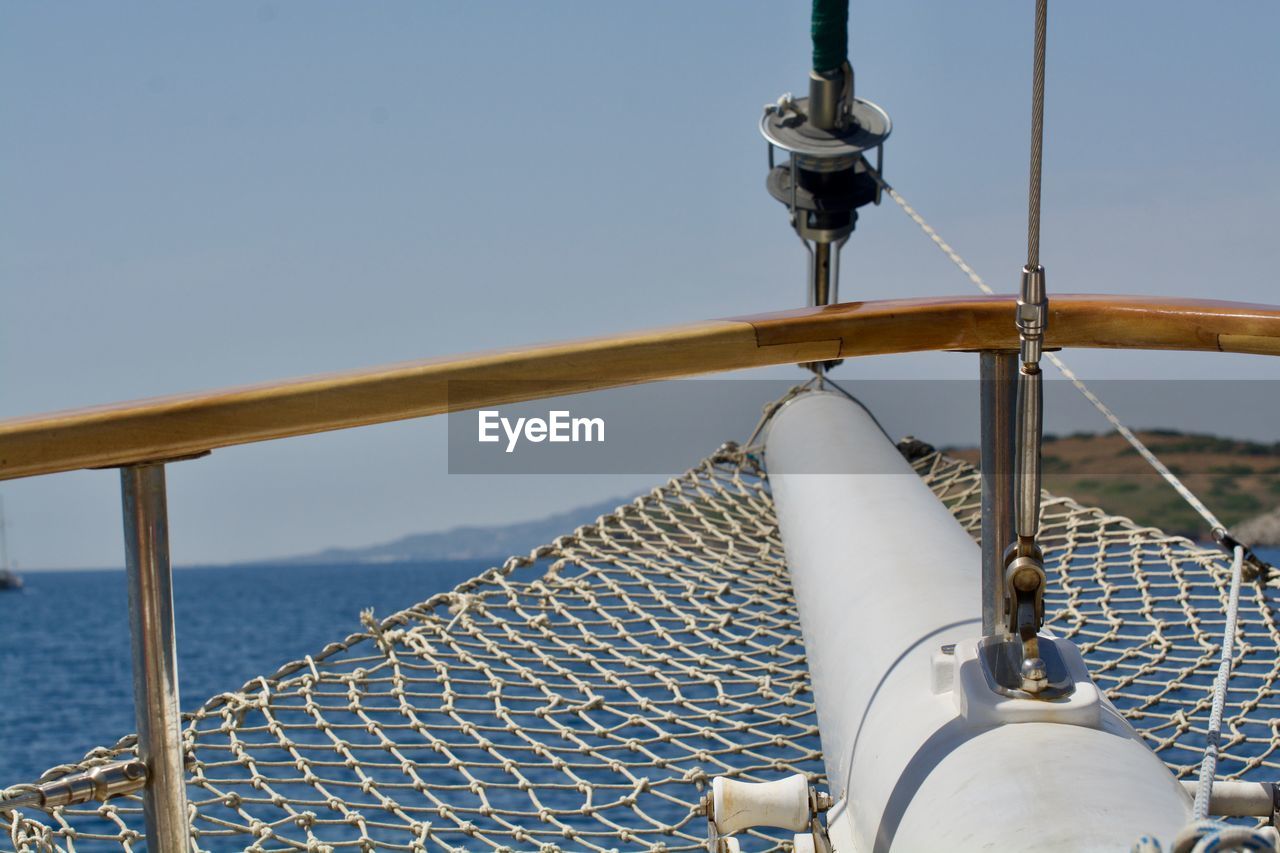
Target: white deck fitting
{"x":884,"y":577}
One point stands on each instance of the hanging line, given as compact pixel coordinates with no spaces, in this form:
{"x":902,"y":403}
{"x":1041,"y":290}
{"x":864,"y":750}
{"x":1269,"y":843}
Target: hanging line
{"x":1255,"y":565}
{"x":1209,"y":764}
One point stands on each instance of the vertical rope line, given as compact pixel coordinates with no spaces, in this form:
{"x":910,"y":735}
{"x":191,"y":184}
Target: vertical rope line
{"x":1037,"y":137}
{"x":1209,"y":764}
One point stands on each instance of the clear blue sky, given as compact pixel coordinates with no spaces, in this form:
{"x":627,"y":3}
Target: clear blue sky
{"x":197,"y":195}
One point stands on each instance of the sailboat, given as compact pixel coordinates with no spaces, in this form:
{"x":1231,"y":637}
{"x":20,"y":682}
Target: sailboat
{"x":818,"y":638}
{"x":10,"y":580}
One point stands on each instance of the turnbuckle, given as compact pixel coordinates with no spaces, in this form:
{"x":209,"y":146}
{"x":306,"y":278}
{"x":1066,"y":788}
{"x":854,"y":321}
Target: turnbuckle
{"x":1033,"y":315}
{"x":1024,"y":562}
{"x":97,"y":783}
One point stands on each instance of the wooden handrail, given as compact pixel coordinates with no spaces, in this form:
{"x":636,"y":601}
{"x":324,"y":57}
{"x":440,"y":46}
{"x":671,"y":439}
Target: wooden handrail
{"x":171,"y":427}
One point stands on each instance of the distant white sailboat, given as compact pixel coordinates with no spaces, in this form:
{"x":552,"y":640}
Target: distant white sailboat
{"x":9,"y":579}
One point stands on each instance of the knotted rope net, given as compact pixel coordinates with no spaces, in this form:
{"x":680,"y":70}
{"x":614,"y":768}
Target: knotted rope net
{"x":582,"y":697}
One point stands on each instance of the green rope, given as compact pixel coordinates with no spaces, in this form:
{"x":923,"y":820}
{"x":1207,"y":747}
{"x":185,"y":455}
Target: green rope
{"x":830,"y":34}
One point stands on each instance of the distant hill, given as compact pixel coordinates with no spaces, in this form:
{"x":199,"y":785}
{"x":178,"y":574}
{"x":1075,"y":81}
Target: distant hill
{"x":1238,"y":480}
{"x":496,"y":542}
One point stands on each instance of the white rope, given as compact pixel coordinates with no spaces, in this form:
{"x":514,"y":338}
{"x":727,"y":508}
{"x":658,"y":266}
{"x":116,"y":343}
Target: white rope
{"x":1209,"y":764}
{"x":1162,"y":469}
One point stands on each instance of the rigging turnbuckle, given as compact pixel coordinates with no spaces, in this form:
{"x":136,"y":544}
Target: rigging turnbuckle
{"x":97,"y":783}
{"x":1024,"y":562}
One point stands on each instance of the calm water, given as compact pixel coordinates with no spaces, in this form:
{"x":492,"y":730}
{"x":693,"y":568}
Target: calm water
{"x":65,"y":681}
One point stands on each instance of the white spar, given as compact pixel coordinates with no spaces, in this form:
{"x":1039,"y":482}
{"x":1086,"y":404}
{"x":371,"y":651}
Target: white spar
{"x":922,"y":753}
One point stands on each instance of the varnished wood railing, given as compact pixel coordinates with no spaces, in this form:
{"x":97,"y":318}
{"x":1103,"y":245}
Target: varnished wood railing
{"x":171,"y":427}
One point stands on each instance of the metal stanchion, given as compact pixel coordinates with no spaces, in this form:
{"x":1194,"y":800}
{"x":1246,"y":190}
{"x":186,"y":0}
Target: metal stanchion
{"x":999,"y":381}
{"x":155,"y":661}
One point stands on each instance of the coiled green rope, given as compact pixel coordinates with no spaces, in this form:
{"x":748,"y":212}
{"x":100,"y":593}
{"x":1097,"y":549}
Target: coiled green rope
{"x":830,"y":29}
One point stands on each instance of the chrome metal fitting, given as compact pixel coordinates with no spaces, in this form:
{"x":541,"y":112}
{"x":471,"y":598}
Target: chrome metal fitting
{"x":1025,"y":582}
{"x":1025,"y":579}
{"x":825,"y":178}
{"x":97,"y":783}
{"x":1035,"y":675}
{"x":1254,"y":568}
{"x":1024,"y":574}
{"x":831,"y":98}
{"x":785,"y":112}
{"x":1010,"y":673}
{"x":789,"y":125}
{"x":1032,"y":316}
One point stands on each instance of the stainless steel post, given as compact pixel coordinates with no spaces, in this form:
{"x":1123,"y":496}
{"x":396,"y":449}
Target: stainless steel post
{"x":1030,"y":429}
{"x":999,"y":381}
{"x":155,"y":661}
{"x":824,"y":98}
{"x":820,"y":274}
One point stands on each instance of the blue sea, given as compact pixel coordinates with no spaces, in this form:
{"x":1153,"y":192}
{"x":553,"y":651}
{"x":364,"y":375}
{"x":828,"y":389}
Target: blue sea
{"x":65,"y":678}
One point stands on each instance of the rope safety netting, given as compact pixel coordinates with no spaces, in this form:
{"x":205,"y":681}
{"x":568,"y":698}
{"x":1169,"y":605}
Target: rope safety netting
{"x":582,"y":697}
